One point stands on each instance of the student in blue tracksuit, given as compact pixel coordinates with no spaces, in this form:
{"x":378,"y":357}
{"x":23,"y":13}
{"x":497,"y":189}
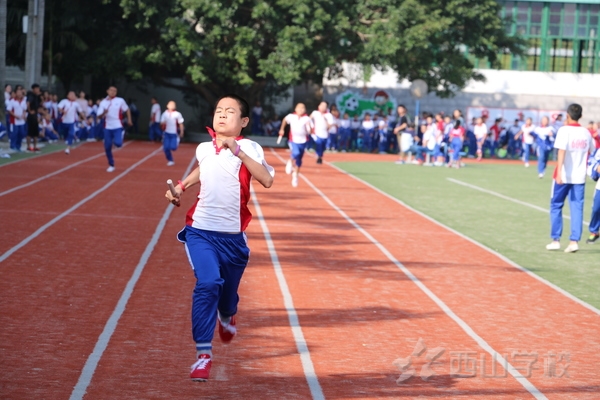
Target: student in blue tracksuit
{"x":573,"y":143}
{"x":214,"y":236}
{"x":172,"y":120}
{"x":544,"y":137}
{"x":366,"y":131}
{"x":155,"y":134}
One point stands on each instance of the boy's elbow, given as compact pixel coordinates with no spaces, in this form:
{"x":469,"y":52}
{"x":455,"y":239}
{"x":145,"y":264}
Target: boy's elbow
{"x":268,"y":182}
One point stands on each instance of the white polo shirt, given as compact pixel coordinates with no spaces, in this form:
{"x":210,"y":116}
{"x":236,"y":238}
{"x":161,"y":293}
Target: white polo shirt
{"x":171,"y":119}
{"x":577,"y":142}
{"x":18,"y":108}
{"x":320,"y":121}
{"x":299,"y":127}
{"x":70,"y":110}
{"x":116,"y":107}
{"x":527,"y":138}
{"x":155,"y":112}
{"x":222,"y":203}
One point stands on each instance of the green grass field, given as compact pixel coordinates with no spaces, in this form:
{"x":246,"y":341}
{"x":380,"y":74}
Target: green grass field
{"x":514,"y":230}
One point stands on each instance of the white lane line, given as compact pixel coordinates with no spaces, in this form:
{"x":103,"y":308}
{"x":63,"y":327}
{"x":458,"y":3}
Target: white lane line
{"x":478,"y":339}
{"x":73,"y":208}
{"x":87,"y":373}
{"x":46,"y":154}
{"x":523,"y":203}
{"x":476,"y":243}
{"x":49,"y":175}
{"x":307,"y":365}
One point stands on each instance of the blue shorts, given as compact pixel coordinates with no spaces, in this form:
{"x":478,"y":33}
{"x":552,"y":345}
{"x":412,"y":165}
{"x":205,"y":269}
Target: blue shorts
{"x":298,"y":152}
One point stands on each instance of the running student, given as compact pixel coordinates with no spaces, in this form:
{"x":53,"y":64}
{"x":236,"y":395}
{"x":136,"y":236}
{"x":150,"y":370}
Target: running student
{"x":574,"y":143}
{"x":544,"y":135}
{"x":154,"y":131}
{"x":69,"y":108}
{"x":322,"y":120}
{"x":299,"y":132}
{"x":525,"y":135}
{"x":111,"y":109}
{"x":214,"y":237}
{"x":171,"y":121}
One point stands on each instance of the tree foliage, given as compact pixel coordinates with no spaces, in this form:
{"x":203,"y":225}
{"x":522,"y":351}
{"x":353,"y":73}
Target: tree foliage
{"x":249,"y":46}
{"x":241,"y":45}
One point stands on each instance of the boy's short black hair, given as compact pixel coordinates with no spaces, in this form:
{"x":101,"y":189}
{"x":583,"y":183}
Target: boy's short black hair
{"x":575,"y":111}
{"x":244,"y":107}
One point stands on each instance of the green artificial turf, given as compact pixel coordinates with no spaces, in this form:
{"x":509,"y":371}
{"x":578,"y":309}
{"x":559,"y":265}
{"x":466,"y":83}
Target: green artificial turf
{"x":514,"y":230}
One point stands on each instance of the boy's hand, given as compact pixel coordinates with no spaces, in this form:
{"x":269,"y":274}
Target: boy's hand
{"x":230,"y":144}
{"x":176,"y":200}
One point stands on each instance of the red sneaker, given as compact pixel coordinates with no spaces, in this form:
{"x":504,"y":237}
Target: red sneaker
{"x":35,"y":149}
{"x":201,"y":368}
{"x":228,"y":331}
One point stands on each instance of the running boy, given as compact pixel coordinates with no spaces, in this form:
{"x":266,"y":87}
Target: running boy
{"x":69,"y":109}
{"x":172,"y":121}
{"x":299,"y":131}
{"x":214,"y":236}
{"x":574,"y":143}
{"x":111,"y":109}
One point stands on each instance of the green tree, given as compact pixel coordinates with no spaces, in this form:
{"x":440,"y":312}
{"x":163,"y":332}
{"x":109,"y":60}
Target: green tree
{"x":241,"y":45}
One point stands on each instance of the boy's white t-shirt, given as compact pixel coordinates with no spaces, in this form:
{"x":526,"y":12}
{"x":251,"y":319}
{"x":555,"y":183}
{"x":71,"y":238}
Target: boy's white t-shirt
{"x":543,"y":131}
{"x":115,"y":108}
{"x":70,"y":110}
{"x":577,"y":142}
{"x":527,"y":138}
{"x":298,"y":127}
{"x":320,"y":122}
{"x":480,"y":131}
{"x":171,"y":119}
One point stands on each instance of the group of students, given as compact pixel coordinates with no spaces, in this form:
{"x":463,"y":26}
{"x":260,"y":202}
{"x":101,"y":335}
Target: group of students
{"x":39,"y":116}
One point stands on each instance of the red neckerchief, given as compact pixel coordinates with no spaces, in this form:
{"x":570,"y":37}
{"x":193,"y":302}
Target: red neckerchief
{"x":574,"y":124}
{"x":213,"y":135}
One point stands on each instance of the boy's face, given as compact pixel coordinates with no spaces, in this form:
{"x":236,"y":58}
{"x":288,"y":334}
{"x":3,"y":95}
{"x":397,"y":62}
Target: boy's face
{"x":228,"y":119}
{"x":112,"y":92}
{"x":322,"y":107}
{"x":171,"y":106}
{"x":300,"y":109}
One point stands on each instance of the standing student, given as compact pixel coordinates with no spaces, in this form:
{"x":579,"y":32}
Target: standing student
{"x":513,"y":147}
{"x":480,"y":130}
{"x":154,"y":131}
{"x":345,"y":132}
{"x":525,"y":135}
{"x":7,"y":99}
{"x":382,"y":129}
{"x":405,"y":139}
{"x":300,"y":129}
{"x":594,"y":173}
{"x":111,"y":109}
{"x":17,"y":108}
{"x":574,"y":143}
{"x":214,"y":235}
{"x":34,"y":104}
{"x":354,"y":129}
{"x":69,"y":109}
{"x":456,"y":138}
{"x":544,"y":135}
{"x":172,"y":121}
{"x":332,"y":138}
{"x":322,"y":120}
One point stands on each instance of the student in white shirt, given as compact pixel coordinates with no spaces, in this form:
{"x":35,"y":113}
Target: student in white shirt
{"x":172,"y":122}
{"x":480,"y":130}
{"x":154,"y":131}
{"x":300,"y":129}
{"x":214,"y":235}
{"x":322,"y":120}
{"x":17,"y":108}
{"x":544,"y":136}
{"x":528,"y":139}
{"x":111,"y":109}
{"x":70,"y":111}
{"x":574,"y":143}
